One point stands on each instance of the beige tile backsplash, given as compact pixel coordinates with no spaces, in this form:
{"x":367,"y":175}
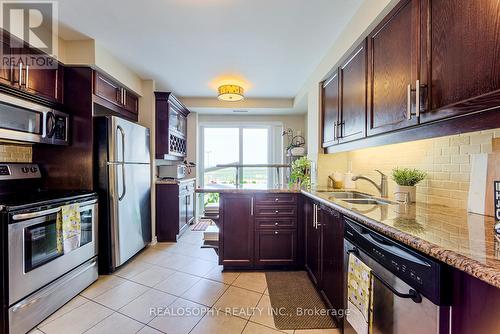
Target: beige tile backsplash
{"x":14,"y":153}
{"x":447,"y":160}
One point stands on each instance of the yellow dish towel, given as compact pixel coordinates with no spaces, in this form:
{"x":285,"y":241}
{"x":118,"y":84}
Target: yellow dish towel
{"x":359,"y":295}
{"x":69,"y":228}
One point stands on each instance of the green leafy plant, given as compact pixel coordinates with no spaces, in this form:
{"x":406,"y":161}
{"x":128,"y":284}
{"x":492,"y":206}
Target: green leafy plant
{"x":301,"y":173}
{"x":211,"y":198}
{"x":407,"y":176}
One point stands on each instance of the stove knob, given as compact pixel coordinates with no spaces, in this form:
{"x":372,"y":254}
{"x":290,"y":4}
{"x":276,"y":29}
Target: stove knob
{"x":34,"y":169}
{"x":25,"y":169}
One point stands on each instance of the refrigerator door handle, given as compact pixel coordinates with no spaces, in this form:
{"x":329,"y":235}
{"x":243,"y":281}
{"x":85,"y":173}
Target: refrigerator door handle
{"x":122,"y":163}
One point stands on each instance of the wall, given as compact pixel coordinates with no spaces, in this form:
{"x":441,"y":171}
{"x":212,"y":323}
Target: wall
{"x":447,"y":160}
{"x":15,"y":153}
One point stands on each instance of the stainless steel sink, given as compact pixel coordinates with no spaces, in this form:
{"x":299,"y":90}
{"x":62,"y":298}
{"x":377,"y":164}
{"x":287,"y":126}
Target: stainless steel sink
{"x":348,"y":195}
{"x":368,"y":201}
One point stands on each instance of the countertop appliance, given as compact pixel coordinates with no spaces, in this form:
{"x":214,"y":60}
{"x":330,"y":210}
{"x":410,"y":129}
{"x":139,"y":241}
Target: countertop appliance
{"x":25,"y":121}
{"x":172,"y":171}
{"x":124,"y":179}
{"x":409,"y":290}
{"x":37,"y":276}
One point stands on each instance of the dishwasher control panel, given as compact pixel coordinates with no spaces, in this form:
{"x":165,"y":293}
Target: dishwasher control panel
{"x":424,"y":274}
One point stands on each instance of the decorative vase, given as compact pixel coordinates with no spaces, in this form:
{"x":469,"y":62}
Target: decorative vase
{"x":405,"y":194}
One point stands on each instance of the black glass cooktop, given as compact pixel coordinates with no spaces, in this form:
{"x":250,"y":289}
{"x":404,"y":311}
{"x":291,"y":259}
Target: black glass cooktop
{"x":34,"y":198}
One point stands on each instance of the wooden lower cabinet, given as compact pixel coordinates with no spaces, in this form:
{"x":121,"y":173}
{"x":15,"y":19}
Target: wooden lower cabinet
{"x":258,"y":231}
{"x":275,"y":247}
{"x":324,"y":251}
{"x":236,"y":238}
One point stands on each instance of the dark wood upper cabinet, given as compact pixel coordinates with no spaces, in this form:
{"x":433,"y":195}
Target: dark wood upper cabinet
{"x":46,"y":83}
{"x":461,"y":57}
{"x":330,"y":110}
{"x":353,"y":80}
{"x":115,"y":97}
{"x":236,"y":238}
{"x":393,"y":62}
{"x":171,"y":127}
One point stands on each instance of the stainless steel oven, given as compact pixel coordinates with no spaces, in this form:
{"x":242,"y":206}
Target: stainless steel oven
{"x":34,"y":259}
{"x":25,"y":121}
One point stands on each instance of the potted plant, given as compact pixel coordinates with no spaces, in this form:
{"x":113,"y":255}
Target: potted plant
{"x":300,"y":174}
{"x":406,"y":180}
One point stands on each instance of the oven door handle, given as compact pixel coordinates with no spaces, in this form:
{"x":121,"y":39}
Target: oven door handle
{"x":23,"y":216}
{"x":412,"y":294}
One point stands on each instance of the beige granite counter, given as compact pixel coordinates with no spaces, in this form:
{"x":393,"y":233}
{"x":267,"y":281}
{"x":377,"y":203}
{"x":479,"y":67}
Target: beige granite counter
{"x":248,"y":190}
{"x":174,"y":181}
{"x":463,"y":240}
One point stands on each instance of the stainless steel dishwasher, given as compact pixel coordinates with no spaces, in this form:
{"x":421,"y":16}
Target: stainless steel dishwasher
{"x":410,"y":294}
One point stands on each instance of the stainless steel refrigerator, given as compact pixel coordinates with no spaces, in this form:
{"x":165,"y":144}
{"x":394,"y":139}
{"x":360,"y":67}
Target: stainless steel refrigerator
{"x":124,"y":183}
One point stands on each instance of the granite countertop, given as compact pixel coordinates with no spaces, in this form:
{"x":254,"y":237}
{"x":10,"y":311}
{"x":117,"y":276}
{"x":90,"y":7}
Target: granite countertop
{"x":174,"y":181}
{"x":284,"y":189}
{"x":460,"y":239}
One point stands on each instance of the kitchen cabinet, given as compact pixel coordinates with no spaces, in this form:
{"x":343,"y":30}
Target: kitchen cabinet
{"x":313,"y":241}
{"x":330,"y":110}
{"x":332,"y":229}
{"x":393,"y":48}
{"x":275,"y":247}
{"x":171,"y":127}
{"x":324,"y":251}
{"x":174,"y":209}
{"x":258,"y":230}
{"x":236,"y":236}
{"x":42,"y":84}
{"x":115,"y":97}
{"x":461,"y":57}
{"x":353,"y":76}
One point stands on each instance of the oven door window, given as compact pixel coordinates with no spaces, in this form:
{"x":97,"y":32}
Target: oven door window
{"x":86,"y":226}
{"x":40,"y":243}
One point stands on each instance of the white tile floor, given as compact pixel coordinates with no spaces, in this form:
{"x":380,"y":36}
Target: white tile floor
{"x":180,"y":276}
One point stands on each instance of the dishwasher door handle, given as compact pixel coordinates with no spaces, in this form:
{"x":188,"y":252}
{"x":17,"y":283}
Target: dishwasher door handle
{"x":412,"y":294}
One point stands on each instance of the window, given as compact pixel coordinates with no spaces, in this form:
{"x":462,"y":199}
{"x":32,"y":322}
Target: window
{"x":251,"y":144}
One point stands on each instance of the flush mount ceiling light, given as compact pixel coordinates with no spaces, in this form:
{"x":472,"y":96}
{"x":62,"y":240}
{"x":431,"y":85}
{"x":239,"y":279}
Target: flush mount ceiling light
{"x":231,"y":93}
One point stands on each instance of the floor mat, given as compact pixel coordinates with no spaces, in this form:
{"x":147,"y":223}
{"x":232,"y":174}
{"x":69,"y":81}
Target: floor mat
{"x":295,"y":302}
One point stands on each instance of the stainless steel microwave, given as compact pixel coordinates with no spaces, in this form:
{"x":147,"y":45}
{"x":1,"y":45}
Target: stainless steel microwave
{"x":25,"y":121}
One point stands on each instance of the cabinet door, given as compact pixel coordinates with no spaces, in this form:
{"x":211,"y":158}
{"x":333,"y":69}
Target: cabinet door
{"x":313,"y":242}
{"x":189,"y":207}
{"x":392,"y":58}
{"x":107,"y":89}
{"x":330,"y":109}
{"x":332,"y":257}
{"x":46,"y":83}
{"x":277,"y":247}
{"x":237,"y":232}
{"x":182,"y":212}
{"x":6,"y":72}
{"x":461,"y":65}
{"x":353,"y":96}
{"x":131,"y":102}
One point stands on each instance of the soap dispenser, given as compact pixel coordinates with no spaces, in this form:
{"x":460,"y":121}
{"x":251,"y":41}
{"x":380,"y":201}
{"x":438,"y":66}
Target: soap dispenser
{"x":348,"y":182}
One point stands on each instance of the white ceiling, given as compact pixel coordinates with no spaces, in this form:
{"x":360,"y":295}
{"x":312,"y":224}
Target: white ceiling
{"x":191,"y":46}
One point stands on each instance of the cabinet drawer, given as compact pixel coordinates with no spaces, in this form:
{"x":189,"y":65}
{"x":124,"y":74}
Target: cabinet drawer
{"x":267,"y":199}
{"x":276,"y":211}
{"x":278,"y":223}
{"x":276,"y":247}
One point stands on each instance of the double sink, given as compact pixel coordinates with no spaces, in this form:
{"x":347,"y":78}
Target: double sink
{"x":354,"y":197}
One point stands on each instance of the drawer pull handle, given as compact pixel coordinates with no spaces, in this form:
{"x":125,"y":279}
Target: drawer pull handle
{"x":276,"y":224}
{"x":276,"y":200}
{"x":275,"y":232}
{"x":277,"y":211}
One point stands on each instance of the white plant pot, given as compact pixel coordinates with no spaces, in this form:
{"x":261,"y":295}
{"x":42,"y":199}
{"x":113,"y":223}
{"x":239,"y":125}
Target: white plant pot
{"x":405,"y":193}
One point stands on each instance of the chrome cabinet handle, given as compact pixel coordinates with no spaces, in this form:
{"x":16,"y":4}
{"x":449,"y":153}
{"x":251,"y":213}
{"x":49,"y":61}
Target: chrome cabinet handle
{"x":408,"y":102}
{"x":276,"y":224}
{"x":27,"y":76}
{"x":276,"y":212}
{"x":276,"y":200}
{"x":417,"y":98}
{"x":20,"y":74}
{"x":275,"y":232}
{"x":251,"y":206}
